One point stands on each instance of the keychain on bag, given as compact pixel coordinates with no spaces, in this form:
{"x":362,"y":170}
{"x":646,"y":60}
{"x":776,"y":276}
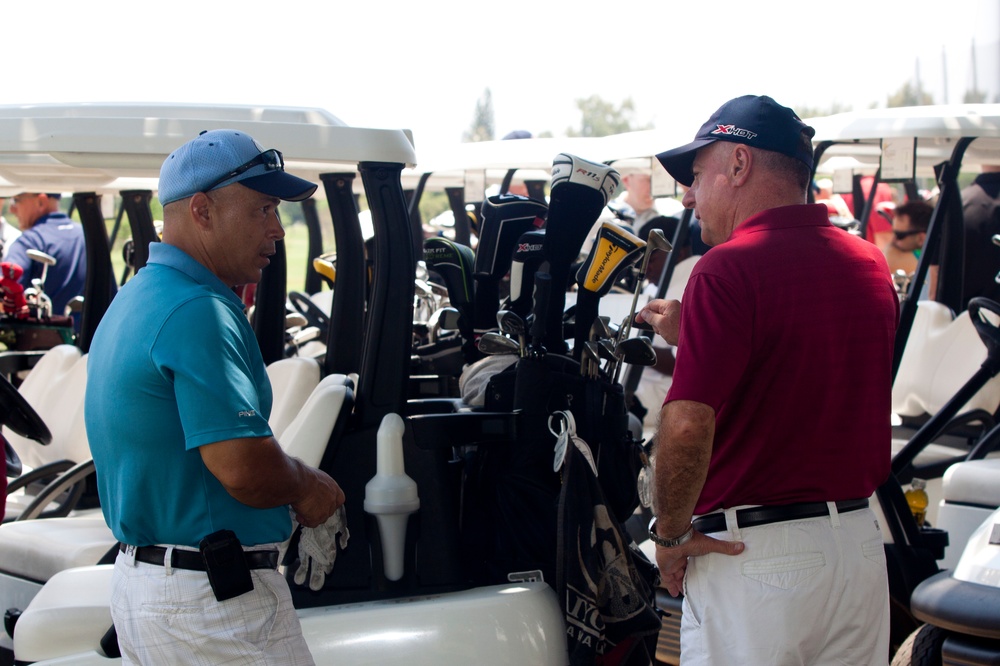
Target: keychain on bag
{"x":563,"y":426}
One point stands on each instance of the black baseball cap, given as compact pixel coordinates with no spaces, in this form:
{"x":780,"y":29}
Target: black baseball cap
{"x":756,"y":121}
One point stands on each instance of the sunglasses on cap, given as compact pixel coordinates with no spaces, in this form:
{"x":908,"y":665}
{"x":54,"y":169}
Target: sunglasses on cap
{"x":900,"y":235}
{"x":271,"y":159}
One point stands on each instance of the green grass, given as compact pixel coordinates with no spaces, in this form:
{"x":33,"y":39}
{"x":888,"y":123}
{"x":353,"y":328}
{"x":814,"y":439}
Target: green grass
{"x":296,"y":249}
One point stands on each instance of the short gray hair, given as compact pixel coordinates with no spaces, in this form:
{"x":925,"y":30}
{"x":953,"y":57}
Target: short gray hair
{"x":783,"y":166}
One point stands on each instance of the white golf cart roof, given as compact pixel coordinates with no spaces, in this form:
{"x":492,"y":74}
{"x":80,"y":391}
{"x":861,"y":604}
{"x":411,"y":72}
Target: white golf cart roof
{"x":449,"y":166}
{"x":858,"y":136}
{"x":110,"y":147}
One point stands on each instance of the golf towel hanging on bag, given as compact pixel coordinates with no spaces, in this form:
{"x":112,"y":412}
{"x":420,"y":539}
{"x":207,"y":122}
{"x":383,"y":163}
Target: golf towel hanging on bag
{"x":606,"y":586}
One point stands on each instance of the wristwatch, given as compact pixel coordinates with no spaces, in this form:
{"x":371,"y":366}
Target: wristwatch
{"x":669,"y":543}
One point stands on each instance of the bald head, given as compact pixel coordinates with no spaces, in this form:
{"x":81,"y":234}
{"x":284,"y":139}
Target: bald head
{"x":30,"y":207}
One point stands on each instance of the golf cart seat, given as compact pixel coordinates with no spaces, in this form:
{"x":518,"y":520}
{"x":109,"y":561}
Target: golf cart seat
{"x":38,"y":549}
{"x":942,"y":353}
{"x":327,"y":407}
{"x":78,"y":601}
{"x":970,"y":493}
{"x":292,"y":382}
{"x":55,"y":389}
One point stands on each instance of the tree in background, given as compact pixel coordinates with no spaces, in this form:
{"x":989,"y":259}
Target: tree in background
{"x":909,"y":95}
{"x":974,"y":96}
{"x":482,"y":121}
{"x":602,"y":118}
{"x":820,"y":111}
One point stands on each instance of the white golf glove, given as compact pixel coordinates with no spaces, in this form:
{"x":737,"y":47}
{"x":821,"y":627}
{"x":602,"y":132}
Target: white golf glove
{"x":318,"y":549}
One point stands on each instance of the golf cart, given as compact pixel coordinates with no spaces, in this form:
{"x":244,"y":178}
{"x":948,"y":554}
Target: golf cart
{"x":952,"y":446}
{"x":434,"y":612}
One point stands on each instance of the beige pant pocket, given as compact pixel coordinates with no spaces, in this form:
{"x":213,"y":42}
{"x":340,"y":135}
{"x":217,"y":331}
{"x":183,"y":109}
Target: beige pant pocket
{"x":784,"y":571}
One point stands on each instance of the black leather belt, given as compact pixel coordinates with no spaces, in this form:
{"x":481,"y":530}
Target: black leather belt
{"x":192,"y":560}
{"x":765,"y":515}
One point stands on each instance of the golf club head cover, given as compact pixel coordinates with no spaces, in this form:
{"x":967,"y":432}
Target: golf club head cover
{"x":526,"y":258}
{"x":454,"y":263}
{"x":14,"y":302}
{"x":578,"y":193}
{"x":614,"y":250}
{"x":505,"y":217}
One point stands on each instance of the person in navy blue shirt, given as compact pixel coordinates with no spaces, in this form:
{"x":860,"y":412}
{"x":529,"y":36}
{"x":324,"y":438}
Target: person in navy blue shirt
{"x":45,"y":228}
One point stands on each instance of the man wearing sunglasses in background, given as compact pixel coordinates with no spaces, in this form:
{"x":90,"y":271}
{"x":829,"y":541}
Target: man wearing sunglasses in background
{"x":191,"y":480}
{"x":909,"y":231}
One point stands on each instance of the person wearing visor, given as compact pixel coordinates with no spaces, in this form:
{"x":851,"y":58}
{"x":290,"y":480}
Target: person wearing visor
{"x":775,"y":430}
{"x":191,"y":480}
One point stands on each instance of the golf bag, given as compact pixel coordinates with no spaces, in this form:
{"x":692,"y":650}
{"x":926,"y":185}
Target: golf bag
{"x":511,"y":492}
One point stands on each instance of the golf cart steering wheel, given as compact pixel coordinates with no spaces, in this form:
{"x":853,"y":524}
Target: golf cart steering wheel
{"x":312,"y":312}
{"x":18,"y":415}
{"x":988,"y":332}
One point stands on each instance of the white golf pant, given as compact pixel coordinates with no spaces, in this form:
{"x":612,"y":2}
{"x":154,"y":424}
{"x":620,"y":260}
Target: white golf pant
{"x":169,"y":616}
{"x":804,"y":592}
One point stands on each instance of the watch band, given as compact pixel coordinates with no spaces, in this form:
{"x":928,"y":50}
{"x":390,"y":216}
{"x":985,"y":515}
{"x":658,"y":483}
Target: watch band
{"x":669,"y":543}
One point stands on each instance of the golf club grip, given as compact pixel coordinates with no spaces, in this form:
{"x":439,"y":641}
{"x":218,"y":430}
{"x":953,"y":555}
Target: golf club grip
{"x":486,"y":304}
{"x":543,"y":289}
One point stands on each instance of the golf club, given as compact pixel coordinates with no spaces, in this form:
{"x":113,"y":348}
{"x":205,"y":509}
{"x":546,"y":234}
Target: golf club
{"x":656,"y":240}
{"x":511,"y":324}
{"x":492,"y":343}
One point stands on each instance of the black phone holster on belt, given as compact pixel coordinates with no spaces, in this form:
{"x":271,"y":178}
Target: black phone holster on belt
{"x":228,"y":571}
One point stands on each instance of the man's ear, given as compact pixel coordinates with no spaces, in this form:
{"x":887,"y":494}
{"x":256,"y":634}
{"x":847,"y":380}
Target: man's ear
{"x":201,"y":209}
{"x":740,"y":162}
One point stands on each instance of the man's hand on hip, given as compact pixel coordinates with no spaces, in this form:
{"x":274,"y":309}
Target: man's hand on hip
{"x":672,"y":562}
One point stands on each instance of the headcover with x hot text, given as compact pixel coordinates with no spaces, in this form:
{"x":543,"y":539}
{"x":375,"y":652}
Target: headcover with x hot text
{"x":199,"y":163}
{"x":756,"y":121}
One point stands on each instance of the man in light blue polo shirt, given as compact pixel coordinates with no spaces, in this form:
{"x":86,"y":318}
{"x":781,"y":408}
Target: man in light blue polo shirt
{"x":176,"y":408}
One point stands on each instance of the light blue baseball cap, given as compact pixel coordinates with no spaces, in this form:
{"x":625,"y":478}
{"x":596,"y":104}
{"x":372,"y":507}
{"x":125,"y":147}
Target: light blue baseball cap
{"x":218,"y":158}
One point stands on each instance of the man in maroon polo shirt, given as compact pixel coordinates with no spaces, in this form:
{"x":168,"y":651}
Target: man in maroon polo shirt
{"x":776,"y":429}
